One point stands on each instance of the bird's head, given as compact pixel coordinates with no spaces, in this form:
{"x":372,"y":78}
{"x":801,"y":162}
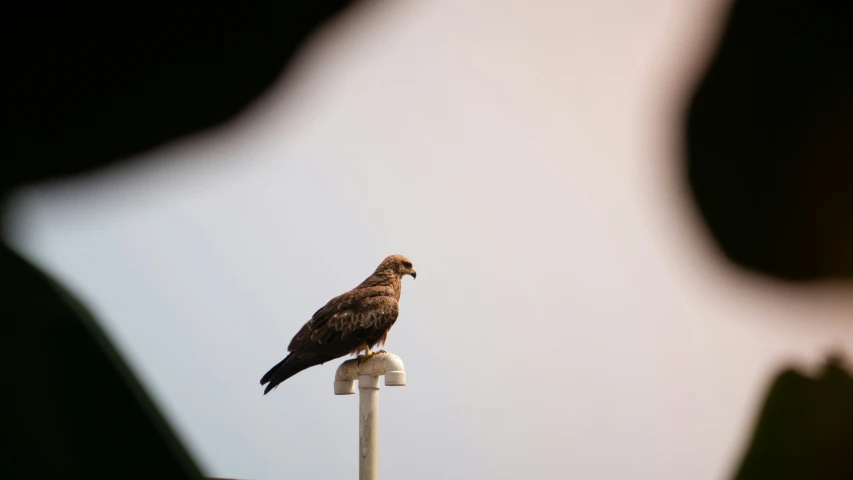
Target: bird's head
{"x":398,"y":264}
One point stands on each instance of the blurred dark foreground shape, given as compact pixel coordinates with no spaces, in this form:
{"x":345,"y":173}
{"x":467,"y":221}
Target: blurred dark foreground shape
{"x":768,"y":157}
{"x":770,"y":139}
{"x":86,"y":85}
{"x":770,"y":164}
{"x":805,"y":429}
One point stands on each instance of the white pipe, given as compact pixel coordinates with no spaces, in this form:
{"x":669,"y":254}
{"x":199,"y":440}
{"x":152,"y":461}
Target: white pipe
{"x":368,"y":427}
{"x":368,"y":374}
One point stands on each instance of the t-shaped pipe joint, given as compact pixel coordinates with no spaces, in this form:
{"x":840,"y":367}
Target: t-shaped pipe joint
{"x":386,"y":364}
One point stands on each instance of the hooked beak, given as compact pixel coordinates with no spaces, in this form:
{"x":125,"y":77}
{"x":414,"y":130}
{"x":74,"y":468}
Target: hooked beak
{"x":414,"y":274}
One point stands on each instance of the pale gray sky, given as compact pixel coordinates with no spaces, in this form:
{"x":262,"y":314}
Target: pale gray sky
{"x":570,"y":318}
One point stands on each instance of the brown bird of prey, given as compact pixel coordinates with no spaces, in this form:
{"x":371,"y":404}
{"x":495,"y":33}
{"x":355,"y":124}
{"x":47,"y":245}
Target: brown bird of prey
{"x":349,"y":323}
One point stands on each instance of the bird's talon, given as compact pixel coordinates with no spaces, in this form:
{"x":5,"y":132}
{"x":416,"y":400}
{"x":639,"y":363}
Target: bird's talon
{"x":367,"y":356}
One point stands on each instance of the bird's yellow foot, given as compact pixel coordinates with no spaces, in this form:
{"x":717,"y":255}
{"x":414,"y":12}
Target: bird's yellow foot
{"x":380,"y":351}
{"x":367,"y":356}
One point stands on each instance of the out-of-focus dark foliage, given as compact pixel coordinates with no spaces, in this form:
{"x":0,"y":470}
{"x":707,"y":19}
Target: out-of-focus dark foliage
{"x":770,"y":139}
{"x":71,"y":407}
{"x":770,"y":164}
{"x":85,"y":84}
{"x":805,"y":429}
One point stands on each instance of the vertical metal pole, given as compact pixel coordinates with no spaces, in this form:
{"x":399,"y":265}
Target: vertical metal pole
{"x":368,"y":427}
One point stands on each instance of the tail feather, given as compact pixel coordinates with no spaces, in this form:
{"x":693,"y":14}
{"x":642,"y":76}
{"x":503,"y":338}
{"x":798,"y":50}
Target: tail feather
{"x":285,"y":369}
{"x":267,"y":376}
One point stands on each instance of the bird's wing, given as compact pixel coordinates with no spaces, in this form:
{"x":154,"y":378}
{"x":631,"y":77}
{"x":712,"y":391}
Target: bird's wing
{"x":347,"y":322}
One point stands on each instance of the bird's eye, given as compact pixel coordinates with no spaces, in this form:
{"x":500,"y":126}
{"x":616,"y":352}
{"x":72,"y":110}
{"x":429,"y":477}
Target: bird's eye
{"x":407,"y":264}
